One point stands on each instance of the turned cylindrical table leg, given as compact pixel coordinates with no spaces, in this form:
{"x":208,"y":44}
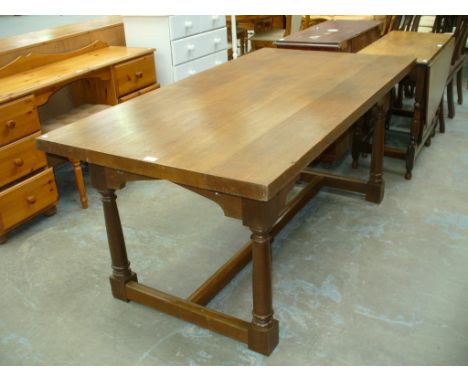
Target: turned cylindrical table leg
{"x":261,"y":278}
{"x":121,"y":272}
{"x":376,"y":184}
{"x":80,"y":182}
{"x":264,"y":330}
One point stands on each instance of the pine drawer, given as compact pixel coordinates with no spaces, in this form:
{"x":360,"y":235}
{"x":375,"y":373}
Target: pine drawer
{"x":18,"y":119}
{"x":26,"y":199}
{"x":134,"y":75}
{"x":19,"y":159}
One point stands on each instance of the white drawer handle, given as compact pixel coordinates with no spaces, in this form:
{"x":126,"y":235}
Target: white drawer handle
{"x":217,"y":40}
{"x":192,"y":71}
{"x":188,"y":24}
{"x":218,"y":62}
{"x":215,"y":18}
{"x":190,"y":47}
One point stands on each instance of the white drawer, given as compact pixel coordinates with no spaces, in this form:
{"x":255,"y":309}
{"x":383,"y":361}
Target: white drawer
{"x":190,"y":48}
{"x":188,"y":25}
{"x":196,"y":66}
{"x":208,"y":23}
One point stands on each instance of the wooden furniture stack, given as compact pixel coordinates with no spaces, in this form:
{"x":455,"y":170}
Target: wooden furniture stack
{"x":185,"y":45}
{"x":96,"y":75}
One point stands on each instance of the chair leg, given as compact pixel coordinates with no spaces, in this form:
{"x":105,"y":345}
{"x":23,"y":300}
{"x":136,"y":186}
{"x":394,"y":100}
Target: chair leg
{"x":450,"y":104}
{"x":460,"y":86}
{"x":399,"y":97}
{"x":441,"y":116}
{"x":80,"y":182}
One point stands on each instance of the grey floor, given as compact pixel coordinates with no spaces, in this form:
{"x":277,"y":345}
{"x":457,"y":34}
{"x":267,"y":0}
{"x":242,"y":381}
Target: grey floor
{"x":354,"y":283}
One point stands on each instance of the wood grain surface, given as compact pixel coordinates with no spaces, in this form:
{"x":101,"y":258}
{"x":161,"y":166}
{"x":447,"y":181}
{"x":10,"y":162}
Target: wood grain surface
{"x":332,"y":32}
{"x":29,"y":81}
{"x":244,"y":128}
{"x":424,"y":46}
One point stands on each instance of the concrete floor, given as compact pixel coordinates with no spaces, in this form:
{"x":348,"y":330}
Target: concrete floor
{"x":354,"y":283}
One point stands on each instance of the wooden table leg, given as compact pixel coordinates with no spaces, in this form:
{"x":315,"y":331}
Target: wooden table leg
{"x":376,"y":184}
{"x":121,"y":272}
{"x":106,"y":182}
{"x":264,"y":329}
{"x":411,"y":150}
{"x":80,"y":182}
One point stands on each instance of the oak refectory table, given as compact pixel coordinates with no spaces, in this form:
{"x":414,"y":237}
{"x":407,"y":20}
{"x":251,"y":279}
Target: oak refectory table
{"x":242,"y":135}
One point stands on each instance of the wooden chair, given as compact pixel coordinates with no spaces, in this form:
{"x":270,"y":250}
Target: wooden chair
{"x":458,"y":60}
{"x":405,"y":24}
{"x":267,"y":38}
{"x":444,"y":24}
{"x":401,"y":23}
{"x":241,"y":36}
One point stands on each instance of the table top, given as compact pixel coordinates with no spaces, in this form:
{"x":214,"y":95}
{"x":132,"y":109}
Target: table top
{"x":29,"y":81}
{"x":244,"y":128}
{"x":424,"y":46}
{"x":331,"y":32}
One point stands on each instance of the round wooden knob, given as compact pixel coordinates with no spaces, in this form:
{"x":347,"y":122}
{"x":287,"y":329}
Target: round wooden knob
{"x":10,"y":124}
{"x":31,"y":199}
{"x":139,"y":74}
{"x":18,"y":162}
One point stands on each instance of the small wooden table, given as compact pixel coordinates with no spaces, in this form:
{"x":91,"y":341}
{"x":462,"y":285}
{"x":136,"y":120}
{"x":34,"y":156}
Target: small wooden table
{"x":433,"y":52}
{"x":244,"y":158}
{"x":334,"y":35}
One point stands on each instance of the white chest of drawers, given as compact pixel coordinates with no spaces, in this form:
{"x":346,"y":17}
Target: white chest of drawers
{"x":185,"y":45}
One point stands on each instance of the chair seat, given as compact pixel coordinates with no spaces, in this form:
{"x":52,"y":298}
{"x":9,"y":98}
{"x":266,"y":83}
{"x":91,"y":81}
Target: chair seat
{"x":271,"y":35}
